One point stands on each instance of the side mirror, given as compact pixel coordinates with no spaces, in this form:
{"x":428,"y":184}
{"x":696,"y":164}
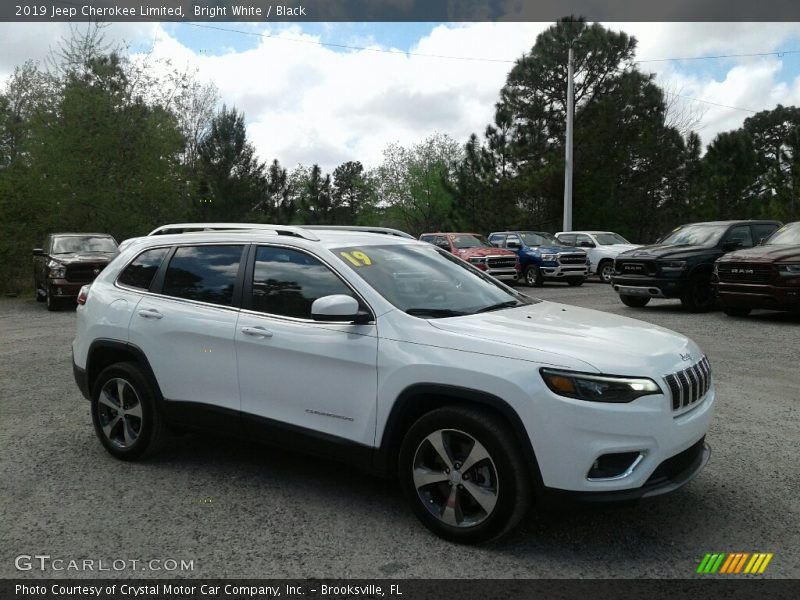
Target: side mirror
{"x":38,"y":252}
{"x":761,"y":241}
{"x":513,"y":245}
{"x":337,"y":307}
{"x":496,"y":244}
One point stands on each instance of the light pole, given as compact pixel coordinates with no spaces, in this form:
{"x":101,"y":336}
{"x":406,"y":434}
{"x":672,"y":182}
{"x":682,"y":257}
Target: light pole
{"x":568,"y":144}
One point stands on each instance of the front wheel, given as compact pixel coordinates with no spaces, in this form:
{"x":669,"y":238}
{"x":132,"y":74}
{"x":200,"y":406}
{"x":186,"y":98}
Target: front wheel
{"x":125,"y":413}
{"x":699,"y":297}
{"x":605,"y":270}
{"x":533,"y":276}
{"x":51,"y":302}
{"x":736,"y":311}
{"x":634,"y":301}
{"x":464,"y":475}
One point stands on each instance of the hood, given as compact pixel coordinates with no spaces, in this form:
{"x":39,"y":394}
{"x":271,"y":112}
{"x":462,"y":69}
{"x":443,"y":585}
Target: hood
{"x":485,"y":252}
{"x":611,"y":344}
{"x":620,"y":247}
{"x":764,"y":254}
{"x":662,"y":251}
{"x":84,"y":257}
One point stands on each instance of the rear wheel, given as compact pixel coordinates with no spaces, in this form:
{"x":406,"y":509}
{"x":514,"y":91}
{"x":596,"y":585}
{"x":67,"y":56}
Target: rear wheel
{"x":464,"y":475}
{"x":634,"y":301}
{"x":533,"y":276}
{"x":605,"y":270}
{"x":736,"y":311}
{"x":699,"y":297}
{"x":125,"y":413}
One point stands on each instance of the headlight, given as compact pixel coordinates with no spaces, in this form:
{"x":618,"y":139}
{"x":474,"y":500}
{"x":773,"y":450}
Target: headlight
{"x":789,"y":270}
{"x":598,"y":388}
{"x":549,"y":257}
{"x":673,"y":266}
{"x":56,"y":269}
{"x":477,"y":260}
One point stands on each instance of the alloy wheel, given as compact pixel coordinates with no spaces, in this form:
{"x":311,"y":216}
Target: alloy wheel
{"x":120,"y":413}
{"x":455,"y":478}
{"x":606,"y":272}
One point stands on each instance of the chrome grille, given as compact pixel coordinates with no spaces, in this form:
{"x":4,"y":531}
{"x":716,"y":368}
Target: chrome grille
{"x":743,"y":272}
{"x":690,"y":385}
{"x":572,"y":259}
{"x":501,"y":262}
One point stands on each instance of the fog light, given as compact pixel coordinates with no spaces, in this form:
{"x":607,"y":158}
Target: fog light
{"x":614,"y":466}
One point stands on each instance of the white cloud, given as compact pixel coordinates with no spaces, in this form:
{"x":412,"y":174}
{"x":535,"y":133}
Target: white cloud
{"x":308,"y":103}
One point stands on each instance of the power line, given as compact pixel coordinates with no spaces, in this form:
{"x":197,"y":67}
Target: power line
{"x":778,"y":53}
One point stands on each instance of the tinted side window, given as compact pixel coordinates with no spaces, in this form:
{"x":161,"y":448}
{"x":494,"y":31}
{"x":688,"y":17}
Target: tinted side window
{"x":427,"y":238}
{"x":204,"y":273}
{"x":139,"y":274}
{"x":763,"y":231}
{"x":568,"y":239}
{"x":513,"y":239}
{"x":286,"y":282}
{"x":741,"y":234}
{"x":497,"y":240}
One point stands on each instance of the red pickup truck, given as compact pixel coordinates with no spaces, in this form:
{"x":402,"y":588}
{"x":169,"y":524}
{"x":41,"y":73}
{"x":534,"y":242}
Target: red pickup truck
{"x":473,"y":248}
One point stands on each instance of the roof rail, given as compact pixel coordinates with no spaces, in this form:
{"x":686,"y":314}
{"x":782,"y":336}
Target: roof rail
{"x":289,"y":230}
{"x":361,"y":228}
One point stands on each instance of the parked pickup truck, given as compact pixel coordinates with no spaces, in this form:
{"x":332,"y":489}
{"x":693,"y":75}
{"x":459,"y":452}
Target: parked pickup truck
{"x":543,"y":257}
{"x":68,"y":261}
{"x":680,"y":265}
{"x":474,"y":249}
{"x":602,"y":247}
{"x":766,"y":276}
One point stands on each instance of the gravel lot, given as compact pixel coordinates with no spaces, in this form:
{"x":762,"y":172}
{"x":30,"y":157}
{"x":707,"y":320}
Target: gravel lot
{"x":243,"y":510}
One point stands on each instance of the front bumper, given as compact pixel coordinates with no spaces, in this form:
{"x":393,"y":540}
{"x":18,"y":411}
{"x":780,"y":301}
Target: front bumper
{"x":651,"y":287}
{"x":61,"y":288}
{"x":749,"y":295}
{"x":559,"y":271}
{"x":504,"y":274}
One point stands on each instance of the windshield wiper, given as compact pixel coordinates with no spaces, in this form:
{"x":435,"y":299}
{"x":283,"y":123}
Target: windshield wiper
{"x":436,"y":313}
{"x":499,"y":305}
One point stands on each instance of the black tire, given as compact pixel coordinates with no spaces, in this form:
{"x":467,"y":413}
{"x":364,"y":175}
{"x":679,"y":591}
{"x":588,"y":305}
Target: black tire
{"x":736,"y":311}
{"x":148,"y":427}
{"x":501,"y":477}
{"x":634,"y":301}
{"x":605,"y":270}
{"x":533,"y":276}
{"x":39,"y":297}
{"x":575,"y":282}
{"x":698,"y":297}
{"x":52,"y":303}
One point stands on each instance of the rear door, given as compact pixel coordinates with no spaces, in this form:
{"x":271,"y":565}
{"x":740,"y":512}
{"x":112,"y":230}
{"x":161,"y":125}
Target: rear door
{"x":186,"y":327}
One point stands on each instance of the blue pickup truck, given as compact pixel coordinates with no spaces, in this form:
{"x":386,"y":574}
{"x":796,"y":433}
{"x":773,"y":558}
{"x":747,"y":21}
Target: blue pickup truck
{"x":542,"y":257}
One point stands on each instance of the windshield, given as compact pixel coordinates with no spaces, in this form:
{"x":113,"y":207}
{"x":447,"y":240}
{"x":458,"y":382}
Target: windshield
{"x":427,"y":282}
{"x":469,"y":241}
{"x":786,"y":235}
{"x":83,"y":243}
{"x":694,"y":235}
{"x":539,"y":239}
{"x":610,"y":239}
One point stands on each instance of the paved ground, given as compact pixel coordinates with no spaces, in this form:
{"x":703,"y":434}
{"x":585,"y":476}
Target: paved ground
{"x":239,"y":509}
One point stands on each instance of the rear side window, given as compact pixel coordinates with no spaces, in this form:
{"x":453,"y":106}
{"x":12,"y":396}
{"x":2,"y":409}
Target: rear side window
{"x":286,"y":282}
{"x":139,"y":274}
{"x":203,"y":273}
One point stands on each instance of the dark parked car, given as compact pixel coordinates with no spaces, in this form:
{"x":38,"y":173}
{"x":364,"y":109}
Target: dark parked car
{"x":766,"y":276}
{"x":681,"y":263}
{"x":68,"y":261}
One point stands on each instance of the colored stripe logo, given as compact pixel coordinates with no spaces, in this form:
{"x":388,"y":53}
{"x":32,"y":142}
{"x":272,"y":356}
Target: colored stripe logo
{"x":735,"y":563}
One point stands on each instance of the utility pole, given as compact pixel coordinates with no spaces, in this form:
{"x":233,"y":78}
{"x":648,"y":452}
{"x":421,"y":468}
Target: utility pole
{"x":568,"y":144}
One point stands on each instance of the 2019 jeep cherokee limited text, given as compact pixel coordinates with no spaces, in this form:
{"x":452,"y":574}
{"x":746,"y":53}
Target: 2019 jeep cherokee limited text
{"x":395,"y":355}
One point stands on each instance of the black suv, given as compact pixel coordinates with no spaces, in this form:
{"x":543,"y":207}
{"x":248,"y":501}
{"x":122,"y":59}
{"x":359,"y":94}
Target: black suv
{"x":680,"y":264}
{"x":67,"y":262}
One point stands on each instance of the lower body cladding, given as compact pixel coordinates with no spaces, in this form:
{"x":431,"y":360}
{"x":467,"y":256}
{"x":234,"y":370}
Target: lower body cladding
{"x":605,"y":451}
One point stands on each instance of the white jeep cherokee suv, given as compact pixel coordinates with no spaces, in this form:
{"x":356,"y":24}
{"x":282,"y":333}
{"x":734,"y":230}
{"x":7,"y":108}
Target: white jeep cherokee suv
{"x":397,"y":356}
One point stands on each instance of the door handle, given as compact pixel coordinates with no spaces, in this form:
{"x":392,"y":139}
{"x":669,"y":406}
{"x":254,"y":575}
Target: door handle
{"x":150,"y":313}
{"x":257,"y":332}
